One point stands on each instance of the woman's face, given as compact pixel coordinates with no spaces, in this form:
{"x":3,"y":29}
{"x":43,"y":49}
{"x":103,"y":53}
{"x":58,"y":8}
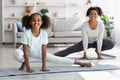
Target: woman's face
{"x":36,"y":22}
{"x":93,"y":15}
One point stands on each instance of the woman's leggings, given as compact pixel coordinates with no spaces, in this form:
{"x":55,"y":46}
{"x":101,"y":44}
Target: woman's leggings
{"x":19,"y":56}
{"x":107,"y":44}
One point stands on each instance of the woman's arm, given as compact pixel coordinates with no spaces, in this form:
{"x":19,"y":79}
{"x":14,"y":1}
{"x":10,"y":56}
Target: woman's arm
{"x":100,"y":38}
{"x":44,"y":58}
{"x":85,"y":38}
{"x":26,"y":56}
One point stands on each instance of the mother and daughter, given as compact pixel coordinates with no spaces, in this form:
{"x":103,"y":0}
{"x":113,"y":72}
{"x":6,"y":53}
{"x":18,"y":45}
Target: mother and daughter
{"x":34,"y":41}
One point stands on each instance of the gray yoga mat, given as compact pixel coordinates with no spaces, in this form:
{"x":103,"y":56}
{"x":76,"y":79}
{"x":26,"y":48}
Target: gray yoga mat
{"x":56,"y":69}
{"x":104,"y":56}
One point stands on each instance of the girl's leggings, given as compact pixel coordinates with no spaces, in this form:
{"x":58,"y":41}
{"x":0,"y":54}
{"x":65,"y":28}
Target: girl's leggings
{"x":19,"y":56}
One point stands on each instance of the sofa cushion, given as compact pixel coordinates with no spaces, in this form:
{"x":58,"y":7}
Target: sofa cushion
{"x":20,"y":27}
{"x":50,"y":29}
{"x":68,"y":34}
{"x":64,"y":24}
{"x":77,"y":25}
{"x":19,"y":34}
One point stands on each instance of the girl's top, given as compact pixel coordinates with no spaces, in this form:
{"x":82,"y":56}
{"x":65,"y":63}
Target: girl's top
{"x":34,"y":43}
{"x":89,"y":35}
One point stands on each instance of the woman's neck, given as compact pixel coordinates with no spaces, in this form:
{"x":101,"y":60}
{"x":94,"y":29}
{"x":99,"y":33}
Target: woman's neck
{"x":93,"y":24}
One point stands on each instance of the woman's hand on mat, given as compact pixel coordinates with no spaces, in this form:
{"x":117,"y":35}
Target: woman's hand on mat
{"x":30,"y":70}
{"x":45,"y":69}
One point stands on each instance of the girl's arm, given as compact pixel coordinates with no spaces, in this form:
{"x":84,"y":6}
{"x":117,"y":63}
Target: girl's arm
{"x":44,"y":58}
{"x":26,"y":56}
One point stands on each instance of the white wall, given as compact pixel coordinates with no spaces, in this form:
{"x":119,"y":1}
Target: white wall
{"x":1,"y":29}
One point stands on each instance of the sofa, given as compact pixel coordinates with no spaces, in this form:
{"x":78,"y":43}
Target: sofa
{"x":62,"y":31}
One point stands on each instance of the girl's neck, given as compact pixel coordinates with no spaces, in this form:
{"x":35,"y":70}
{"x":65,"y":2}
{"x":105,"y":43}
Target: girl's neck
{"x":35,"y":32}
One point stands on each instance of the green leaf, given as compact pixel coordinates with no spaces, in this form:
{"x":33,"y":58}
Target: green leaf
{"x":44,"y":11}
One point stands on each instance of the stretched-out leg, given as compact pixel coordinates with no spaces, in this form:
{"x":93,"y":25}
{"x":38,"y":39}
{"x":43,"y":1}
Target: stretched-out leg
{"x":22,"y":67}
{"x":75,"y":48}
{"x":64,"y":60}
{"x":19,"y":56}
{"x":57,"y":59}
{"x":107,"y":44}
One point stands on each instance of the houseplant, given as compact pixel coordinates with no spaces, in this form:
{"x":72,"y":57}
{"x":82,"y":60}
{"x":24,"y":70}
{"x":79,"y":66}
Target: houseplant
{"x":44,"y":11}
{"x":109,"y":24}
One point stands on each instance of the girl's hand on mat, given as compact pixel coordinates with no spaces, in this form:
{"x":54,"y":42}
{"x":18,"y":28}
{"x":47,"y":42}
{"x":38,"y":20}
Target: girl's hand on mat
{"x":45,"y":69}
{"x":30,"y":70}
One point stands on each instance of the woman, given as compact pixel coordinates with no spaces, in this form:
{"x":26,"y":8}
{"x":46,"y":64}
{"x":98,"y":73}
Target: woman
{"x":92,"y":36}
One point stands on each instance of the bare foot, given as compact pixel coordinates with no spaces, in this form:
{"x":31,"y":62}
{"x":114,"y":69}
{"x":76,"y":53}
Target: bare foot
{"x":99,"y":55}
{"x":86,"y":64}
{"x":30,"y":70}
{"x":83,"y":64}
{"x":99,"y":58}
{"x":83,"y":58}
{"x":22,"y":67}
{"x":44,"y":69}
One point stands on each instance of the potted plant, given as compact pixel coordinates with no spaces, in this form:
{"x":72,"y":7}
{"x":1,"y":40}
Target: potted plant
{"x":109,"y":24}
{"x":44,"y":11}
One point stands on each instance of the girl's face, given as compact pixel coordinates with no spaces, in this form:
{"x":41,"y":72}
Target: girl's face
{"x":36,"y":22}
{"x":93,"y":15}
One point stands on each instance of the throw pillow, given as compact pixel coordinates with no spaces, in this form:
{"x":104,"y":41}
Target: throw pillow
{"x":77,"y":25}
{"x":20,"y":27}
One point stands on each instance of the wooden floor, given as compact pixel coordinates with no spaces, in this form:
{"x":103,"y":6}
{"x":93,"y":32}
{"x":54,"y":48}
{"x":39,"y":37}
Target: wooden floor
{"x":7,"y":50}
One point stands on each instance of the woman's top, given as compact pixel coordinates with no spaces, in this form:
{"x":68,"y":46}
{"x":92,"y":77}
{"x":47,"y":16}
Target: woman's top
{"x":91,"y":35}
{"x":34,"y":43}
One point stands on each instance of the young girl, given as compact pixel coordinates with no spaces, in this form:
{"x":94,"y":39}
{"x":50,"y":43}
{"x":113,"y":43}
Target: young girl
{"x":92,"y":34}
{"x":34,"y":43}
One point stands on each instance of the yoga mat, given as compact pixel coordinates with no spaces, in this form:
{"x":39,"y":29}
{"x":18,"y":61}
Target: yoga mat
{"x":104,"y":56}
{"x":56,"y":69}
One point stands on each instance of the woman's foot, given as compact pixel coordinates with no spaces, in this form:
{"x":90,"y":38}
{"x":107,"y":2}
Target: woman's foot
{"x":99,"y":55}
{"x":84,"y":57}
{"x":30,"y":70}
{"x":22,"y":67}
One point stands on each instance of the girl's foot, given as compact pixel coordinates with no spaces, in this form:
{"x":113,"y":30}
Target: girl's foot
{"x":86,"y":64}
{"x":83,"y":64}
{"x":22,"y":67}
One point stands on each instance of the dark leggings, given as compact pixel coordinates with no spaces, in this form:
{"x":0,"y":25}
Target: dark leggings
{"x":107,"y":44}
